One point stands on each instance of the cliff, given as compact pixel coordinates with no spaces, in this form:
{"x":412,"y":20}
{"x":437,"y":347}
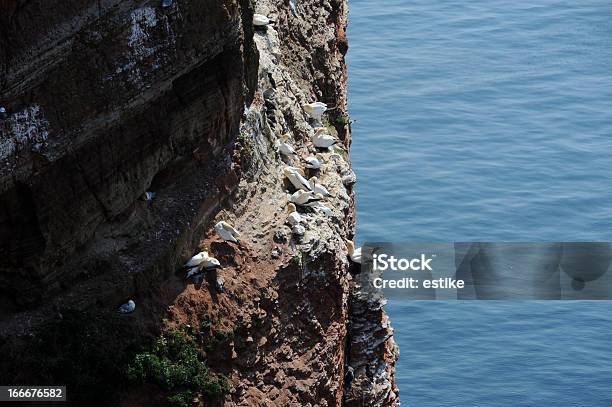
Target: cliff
{"x":107,"y":100}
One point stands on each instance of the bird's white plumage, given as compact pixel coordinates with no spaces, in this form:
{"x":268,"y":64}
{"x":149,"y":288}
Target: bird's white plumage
{"x":226,"y":231}
{"x":128,"y":307}
{"x":318,"y":188}
{"x":315,"y":110}
{"x":296,"y":179}
{"x":304,"y":198}
{"x":314,"y":163}
{"x":260,"y":20}
{"x":207,"y":264}
{"x":322,"y":140}
{"x":286,"y":149}
{"x":293,"y":218}
{"x":197,"y":259}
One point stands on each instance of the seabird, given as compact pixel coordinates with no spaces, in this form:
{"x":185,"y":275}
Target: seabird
{"x":148,"y":196}
{"x":294,"y":218}
{"x":314,"y":163}
{"x":284,"y":147}
{"x":315,"y":110}
{"x":296,"y":177}
{"x":259,"y":20}
{"x":323,"y":140}
{"x":306,"y":198}
{"x":128,"y":307}
{"x":227,"y":232}
{"x":3,"y":114}
{"x":318,"y":188}
{"x":167,"y":3}
{"x":354,"y":254}
{"x":196,"y":260}
{"x":210,"y":263}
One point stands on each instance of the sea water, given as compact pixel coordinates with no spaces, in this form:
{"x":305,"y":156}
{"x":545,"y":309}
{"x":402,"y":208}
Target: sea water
{"x":487,"y":121}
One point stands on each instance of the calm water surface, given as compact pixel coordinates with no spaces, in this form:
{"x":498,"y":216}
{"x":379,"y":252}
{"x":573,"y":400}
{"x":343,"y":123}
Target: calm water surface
{"x":488,"y":120}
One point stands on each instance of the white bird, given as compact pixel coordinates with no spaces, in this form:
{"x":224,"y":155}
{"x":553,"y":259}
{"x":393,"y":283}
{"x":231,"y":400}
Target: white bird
{"x":210,"y":263}
{"x":259,"y":20}
{"x":305,"y":198}
{"x":354,"y":254}
{"x":293,"y":218}
{"x":196,"y":260}
{"x":226,"y":232}
{"x":148,"y":196}
{"x":296,"y":177}
{"x":128,"y":307}
{"x":323,"y":140}
{"x":318,"y":188}
{"x":314,"y":163}
{"x":315,"y":110}
{"x":166,"y":3}
{"x":284,"y":147}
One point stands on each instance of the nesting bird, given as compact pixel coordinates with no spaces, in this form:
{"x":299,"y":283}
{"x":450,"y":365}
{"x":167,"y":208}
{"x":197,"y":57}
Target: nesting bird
{"x":293,"y":217}
{"x":207,"y":264}
{"x":259,"y":20}
{"x":306,"y":198}
{"x":318,"y":188}
{"x":128,"y":307}
{"x":322,"y":140}
{"x":227,"y":232}
{"x":196,"y":260}
{"x":315,"y":110}
{"x":296,"y":177}
{"x":354,"y":254}
{"x":314,"y":163}
{"x":284,"y":147}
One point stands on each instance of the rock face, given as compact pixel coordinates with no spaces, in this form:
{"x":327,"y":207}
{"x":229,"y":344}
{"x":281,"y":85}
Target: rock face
{"x":112,"y":99}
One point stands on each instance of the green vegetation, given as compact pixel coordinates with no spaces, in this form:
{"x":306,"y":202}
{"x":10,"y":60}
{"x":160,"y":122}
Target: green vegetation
{"x":297,"y":260}
{"x":342,"y":119}
{"x":175,"y":364}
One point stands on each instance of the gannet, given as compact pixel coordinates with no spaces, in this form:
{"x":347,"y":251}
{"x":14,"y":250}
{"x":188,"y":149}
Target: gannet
{"x":296,"y":178}
{"x":305,"y":198}
{"x":323,"y":140}
{"x":196,"y":260}
{"x":226,"y":232}
{"x":128,"y":307}
{"x":210,"y":263}
{"x":315,"y":110}
{"x":259,"y":20}
{"x":314,"y":163}
{"x":284,"y":147}
{"x":294,"y":218}
{"x":354,"y":254}
{"x":318,"y":188}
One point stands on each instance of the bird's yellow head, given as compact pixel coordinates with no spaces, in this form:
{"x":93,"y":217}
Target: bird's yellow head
{"x":291,"y":207}
{"x":350,"y":245}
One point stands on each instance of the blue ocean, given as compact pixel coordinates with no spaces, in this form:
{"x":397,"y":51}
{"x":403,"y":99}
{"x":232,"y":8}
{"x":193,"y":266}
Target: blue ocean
{"x":487,"y":121}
